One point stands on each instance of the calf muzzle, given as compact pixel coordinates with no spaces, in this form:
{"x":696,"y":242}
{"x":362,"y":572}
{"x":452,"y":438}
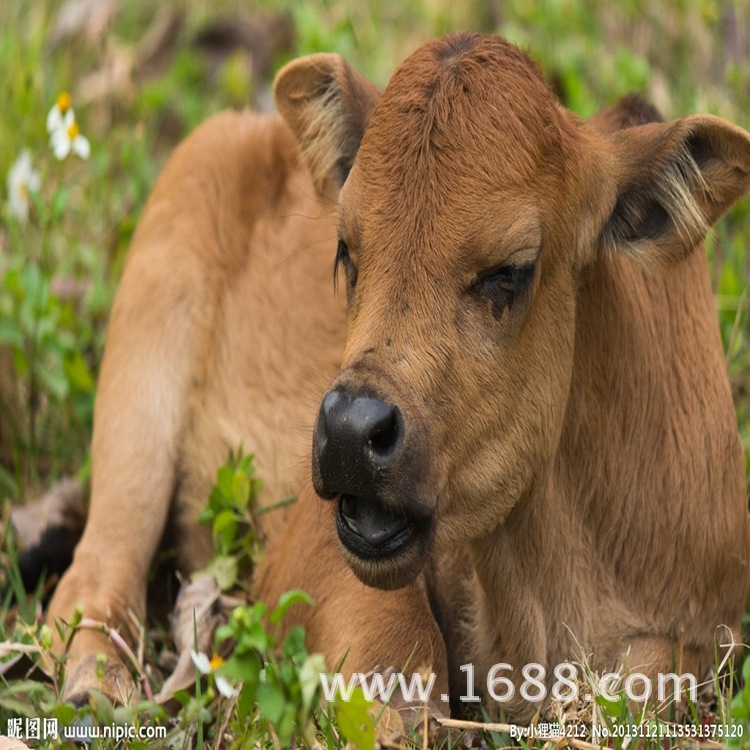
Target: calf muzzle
{"x":362,"y":461}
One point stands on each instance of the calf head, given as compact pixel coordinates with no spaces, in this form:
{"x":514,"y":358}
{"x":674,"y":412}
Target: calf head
{"x":473,"y":202}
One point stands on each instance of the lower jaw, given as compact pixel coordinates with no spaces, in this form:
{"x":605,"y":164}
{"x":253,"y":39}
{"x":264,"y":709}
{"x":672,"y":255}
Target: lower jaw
{"x":394,"y":565}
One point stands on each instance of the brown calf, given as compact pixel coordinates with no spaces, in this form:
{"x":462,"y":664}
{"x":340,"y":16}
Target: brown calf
{"x":225,"y":331}
{"x":531,"y":435}
{"x":533,"y":406}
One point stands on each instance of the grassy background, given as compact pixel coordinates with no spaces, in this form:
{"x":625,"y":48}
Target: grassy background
{"x":142,"y":75}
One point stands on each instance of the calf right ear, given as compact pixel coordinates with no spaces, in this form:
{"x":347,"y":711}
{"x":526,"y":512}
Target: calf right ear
{"x":674,"y":180}
{"x":327,"y":105}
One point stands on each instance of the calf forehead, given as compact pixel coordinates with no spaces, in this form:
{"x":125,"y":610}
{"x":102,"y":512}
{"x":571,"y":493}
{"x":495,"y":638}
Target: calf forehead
{"x":462,"y":118}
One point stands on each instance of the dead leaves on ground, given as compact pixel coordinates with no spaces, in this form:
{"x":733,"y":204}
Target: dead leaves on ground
{"x":125,"y":66}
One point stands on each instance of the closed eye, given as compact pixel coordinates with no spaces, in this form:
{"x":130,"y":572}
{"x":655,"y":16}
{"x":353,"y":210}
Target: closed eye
{"x":503,"y":284}
{"x":343,"y":259}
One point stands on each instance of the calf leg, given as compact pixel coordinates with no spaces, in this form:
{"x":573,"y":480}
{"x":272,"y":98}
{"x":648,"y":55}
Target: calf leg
{"x":139,"y":411}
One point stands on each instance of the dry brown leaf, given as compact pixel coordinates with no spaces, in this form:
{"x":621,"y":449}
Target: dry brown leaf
{"x":9,"y":743}
{"x":404,"y":722}
{"x":196,"y":615}
{"x":125,"y":66}
{"x":390,"y":727}
{"x":264,"y":37}
{"x":113,"y":80}
{"x":157,"y":47}
{"x":91,"y":18}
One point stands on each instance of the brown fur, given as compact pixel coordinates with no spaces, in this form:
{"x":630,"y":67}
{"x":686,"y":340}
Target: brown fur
{"x":225,"y":331}
{"x":577,"y":452}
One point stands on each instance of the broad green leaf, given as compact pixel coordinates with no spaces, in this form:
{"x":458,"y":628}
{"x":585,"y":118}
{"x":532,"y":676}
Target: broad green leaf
{"x":78,"y":372}
{"x":224,"y":568}
{"x":355,"y":721}
{"x":271,"y":701}
{"x":225,"y":481}
{"x":241,"y":489}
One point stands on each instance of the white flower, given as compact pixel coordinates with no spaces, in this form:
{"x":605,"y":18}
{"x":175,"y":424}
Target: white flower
{"x":206,"y":666}
{"x":58,"y":112}
{"x":67,"y":137}
{"x":22,"y":178}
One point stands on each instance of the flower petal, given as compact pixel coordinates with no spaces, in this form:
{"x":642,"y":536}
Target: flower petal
{"x":201,"y":662}
{"x":60,"y":144}
{"x":225,"y":688}
{"x":54,"y":119}
{"x":68,"y":118}
{"x":19,"y":207}
{"x":81,"y":146}
{"x":34,"y":181}
{"x":22,"y":178}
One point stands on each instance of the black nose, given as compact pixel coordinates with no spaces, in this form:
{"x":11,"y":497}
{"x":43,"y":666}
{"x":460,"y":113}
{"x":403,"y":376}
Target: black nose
{"x":357,"y":438}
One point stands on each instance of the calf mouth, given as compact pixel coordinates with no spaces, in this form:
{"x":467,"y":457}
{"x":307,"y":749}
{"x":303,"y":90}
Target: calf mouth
{"x":384,"y":549}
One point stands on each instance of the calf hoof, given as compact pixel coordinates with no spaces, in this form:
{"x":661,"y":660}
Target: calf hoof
{"x":111,"y":678}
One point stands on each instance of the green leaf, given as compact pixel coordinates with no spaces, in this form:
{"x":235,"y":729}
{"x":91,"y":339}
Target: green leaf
{"x":355,"y":721}
{"x":59,"y":201}
{"x":286,"y":725}
{"x":224,"y":568}
{"x":225,"y":481}
{"x":10,"y":333}
{"x":246,"y":699}
{"x":225,"y":530}
{"x":78,"y":372}
{"x":309,"y":680}
{"x":271,"y":701}
{"x":21,"y":706}
{"x":287,"y":600}
{"x":242,"y":667}
{"x":54,"y":381}
{"x":241,"y":489}
{"x":64,"y":713}
{"x":294,"y":644}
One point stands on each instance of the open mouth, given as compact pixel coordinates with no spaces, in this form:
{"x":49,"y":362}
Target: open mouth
{"x":369,"y":530}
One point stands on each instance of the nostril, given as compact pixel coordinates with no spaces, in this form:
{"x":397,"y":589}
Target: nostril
{"x":384,"y":433}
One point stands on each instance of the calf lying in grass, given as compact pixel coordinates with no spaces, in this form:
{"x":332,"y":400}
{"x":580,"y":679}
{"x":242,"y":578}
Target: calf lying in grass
{"x":525,"y":438}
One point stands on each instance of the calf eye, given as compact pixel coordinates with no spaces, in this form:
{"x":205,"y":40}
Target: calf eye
{"x":503,"y":285}
{"x":343,"y":259}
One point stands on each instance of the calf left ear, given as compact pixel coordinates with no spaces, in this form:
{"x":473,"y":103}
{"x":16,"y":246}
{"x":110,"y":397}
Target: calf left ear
{"x":674,"y":180}
{"x":327,"y":104}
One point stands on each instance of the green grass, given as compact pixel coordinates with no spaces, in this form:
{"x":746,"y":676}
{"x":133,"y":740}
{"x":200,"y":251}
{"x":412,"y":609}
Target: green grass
{"x":59,"y":270}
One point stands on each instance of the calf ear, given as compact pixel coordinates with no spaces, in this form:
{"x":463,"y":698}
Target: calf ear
{"x":674,"y":180}
{"x":327,"y":105}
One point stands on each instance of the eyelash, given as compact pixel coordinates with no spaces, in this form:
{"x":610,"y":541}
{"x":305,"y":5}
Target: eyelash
{"x":503,"y":284}
{"x":343,"y":259}
{"x":509,"y":276}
